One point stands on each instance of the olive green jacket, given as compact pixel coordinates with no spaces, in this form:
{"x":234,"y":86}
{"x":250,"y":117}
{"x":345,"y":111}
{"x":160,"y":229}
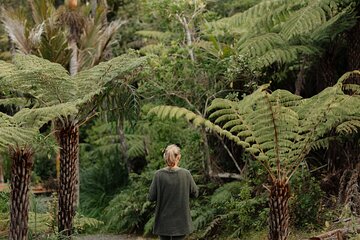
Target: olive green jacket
{"x":172,"y":189}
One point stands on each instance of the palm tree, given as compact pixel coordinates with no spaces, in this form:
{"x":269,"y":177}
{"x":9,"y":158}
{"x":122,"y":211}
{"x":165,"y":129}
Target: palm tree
{"x":279,"y":129}
{"x":48,"y":84}
{"x":18,"y":136}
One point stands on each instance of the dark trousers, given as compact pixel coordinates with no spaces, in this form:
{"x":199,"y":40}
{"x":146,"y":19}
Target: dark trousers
{"x":172,"y":237}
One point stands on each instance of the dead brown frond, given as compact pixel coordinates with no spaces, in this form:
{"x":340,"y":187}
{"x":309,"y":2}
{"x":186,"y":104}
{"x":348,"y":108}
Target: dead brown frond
{"x":72,"y":20}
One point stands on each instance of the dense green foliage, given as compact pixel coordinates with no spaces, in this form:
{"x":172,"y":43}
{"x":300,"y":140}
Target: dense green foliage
{"x":254,"y":94}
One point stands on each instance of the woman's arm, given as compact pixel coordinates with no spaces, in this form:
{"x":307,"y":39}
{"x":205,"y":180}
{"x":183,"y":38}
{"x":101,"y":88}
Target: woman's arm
{"x":152,"y":191}
{"x":194,"y":190}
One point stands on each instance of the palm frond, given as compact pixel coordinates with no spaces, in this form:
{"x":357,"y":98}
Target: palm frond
{"x":16,"y":29}
{"x":95,"y":40}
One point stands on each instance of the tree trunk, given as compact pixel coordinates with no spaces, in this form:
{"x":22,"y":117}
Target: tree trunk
{"x":123,"y":144}
{"x":279,"y":210}
{"x":93,"y":8}
{"x":207,"y":160}
{"x":68,"y":137}
{"x":1,"y":170}
{"x":353,"y":50}
{"x":20,"y":183}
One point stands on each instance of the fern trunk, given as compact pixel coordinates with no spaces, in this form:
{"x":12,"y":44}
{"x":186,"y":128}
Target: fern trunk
{"x":279,"y":210}
{"x":68,"y":138}
{"x":21,"y":166}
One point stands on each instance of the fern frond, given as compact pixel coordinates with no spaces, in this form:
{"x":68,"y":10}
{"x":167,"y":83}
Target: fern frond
{"x":333,"y":26}
{"x":306,"y":19}
{"x":349,"y":127}
{"x":91,"y":82}
{"x":278,"y":128}
{"x":282,"y":55}
{"x":260,"y":44}
{"x":12,"y":133}
{"x":37,"y":117}
{"x":166,"y":111}
{"x":252,"y":13}
{"x":14,"y":101}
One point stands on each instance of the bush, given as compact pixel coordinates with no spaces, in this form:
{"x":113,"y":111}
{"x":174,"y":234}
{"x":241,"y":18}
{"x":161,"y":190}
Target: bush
{"x":305,"y":203}
{"x":230,"y":211}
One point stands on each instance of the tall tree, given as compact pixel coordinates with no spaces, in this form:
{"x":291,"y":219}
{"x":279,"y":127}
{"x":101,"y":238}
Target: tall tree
{"x":279,"y":129}
{"x":50,"y":85}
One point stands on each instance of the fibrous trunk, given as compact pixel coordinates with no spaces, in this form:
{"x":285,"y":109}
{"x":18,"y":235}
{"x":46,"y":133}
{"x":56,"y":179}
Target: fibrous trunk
{"x":279,"y":210}
{"x":68,"y":137}
{"x":21,"y":166}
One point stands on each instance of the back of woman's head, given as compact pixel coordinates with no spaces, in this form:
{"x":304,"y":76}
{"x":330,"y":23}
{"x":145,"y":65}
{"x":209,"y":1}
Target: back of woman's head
{"x":172,"y":155}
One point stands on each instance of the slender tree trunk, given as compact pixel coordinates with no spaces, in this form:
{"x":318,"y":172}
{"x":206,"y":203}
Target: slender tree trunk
{"x":68,"y":137}
{"x":93,"y":7}
{"x":1,"y":170}
{"x":123,"y":144}
{"x":20,"y":183}
{"x":74,"y":61}
{"x":207,"y":161}
{"x":279,"y":210}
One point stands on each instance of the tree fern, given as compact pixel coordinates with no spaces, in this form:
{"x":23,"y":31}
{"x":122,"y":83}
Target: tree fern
{"x":49,"y":83}
{"x":277,"y":128}
{"x":279,"y":32}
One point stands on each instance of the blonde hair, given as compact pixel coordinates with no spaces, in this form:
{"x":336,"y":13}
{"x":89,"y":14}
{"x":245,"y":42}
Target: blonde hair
{"x":171,"y":155}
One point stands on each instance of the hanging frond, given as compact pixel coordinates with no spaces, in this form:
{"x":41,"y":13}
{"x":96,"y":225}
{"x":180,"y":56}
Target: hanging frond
{"x":333,"y":26}
{"x":260,"y":44}
{"x":37,"y":117}
{"x":282,"y":55}
{"x":176,"y":112}
{"x":349,"y":127}
{"x":11,"y":133}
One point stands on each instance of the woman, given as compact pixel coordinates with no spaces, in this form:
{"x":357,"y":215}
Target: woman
{"x":171,"y":188}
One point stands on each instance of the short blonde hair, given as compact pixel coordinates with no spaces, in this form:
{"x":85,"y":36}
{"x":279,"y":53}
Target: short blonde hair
{"x":170,"y":155}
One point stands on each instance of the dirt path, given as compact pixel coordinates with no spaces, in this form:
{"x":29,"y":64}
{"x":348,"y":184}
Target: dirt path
{"x":112,"y":237}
